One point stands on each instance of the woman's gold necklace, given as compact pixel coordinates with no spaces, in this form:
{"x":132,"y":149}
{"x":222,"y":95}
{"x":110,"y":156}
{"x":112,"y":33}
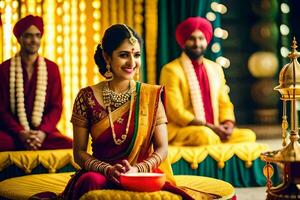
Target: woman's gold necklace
{"x":113,"y":98}
{"x":107,"y":98}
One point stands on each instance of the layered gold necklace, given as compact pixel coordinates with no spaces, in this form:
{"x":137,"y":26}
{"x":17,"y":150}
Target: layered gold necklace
{"x":16,"y":91}
{"x":111,"y":98}
{"x":115,"y":99}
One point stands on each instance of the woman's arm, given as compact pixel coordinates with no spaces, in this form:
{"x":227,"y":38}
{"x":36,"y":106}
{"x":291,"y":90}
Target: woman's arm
{"x":160,"y":136}
{"x":160,"y":144}
{"x":160,"y":141}
{"x":87,"y":161}
{"x":80,"y":142}
{"x":81,"y":157}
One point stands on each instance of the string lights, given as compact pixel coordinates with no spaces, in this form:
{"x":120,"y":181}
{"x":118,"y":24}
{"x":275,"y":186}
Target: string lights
{"x":82,"y":43}
{"x":96,"y":29}
{"x":67,"y":55}
{"x":284,"y":30}
{"x":7,"y":20}
{"x":151,"y":23}
{"x":219,"y":33}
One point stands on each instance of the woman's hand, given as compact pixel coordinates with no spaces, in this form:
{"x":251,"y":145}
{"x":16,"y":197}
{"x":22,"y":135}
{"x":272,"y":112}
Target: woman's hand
{"x":114,"y":171}
{"x":128,"y":168}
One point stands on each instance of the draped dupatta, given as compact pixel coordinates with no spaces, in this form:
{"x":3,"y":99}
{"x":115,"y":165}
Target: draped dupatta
{"x":138,"y":145}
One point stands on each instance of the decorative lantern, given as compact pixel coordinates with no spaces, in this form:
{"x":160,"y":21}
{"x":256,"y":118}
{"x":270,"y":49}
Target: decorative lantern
{"x":289,"y":156}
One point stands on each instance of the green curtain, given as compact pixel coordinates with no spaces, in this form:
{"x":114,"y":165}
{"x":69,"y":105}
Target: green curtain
{"x":170,"y":14}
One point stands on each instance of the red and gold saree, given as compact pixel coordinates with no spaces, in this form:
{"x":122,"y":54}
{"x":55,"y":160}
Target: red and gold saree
{"x":147,"y":112}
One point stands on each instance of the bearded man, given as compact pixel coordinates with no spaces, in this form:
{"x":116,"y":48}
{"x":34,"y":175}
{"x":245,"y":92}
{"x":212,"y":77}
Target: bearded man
{"x":198,"y":106}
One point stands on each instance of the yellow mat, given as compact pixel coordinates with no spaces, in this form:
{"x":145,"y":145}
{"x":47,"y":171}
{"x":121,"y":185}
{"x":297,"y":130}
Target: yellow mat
{"x":24,"y":187}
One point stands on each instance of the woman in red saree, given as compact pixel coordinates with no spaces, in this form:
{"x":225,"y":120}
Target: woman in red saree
{"x":125,"y":119}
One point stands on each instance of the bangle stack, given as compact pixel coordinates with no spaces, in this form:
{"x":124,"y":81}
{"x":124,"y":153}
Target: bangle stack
{"x":95,"y":165}
{"x":151,"y":163}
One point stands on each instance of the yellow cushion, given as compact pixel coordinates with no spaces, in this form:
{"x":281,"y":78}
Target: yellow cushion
{"x":246,"y":151}
{"x":26,"y":186}
{"x":206,"y":185}
{"x":196,"y":186}
{"x":28,"y":160}
{"x":56,"y":159}
{"x":126,"y":195}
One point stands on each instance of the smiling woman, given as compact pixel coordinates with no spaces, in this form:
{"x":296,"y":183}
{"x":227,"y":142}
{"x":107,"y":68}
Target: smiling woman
{"x":126,"y":120}
{"x":119,"y":52}
{"x":125,"y":61}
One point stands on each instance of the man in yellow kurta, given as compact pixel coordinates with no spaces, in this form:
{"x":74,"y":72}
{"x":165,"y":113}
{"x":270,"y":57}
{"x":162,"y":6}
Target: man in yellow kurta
{"x":198,"y":106}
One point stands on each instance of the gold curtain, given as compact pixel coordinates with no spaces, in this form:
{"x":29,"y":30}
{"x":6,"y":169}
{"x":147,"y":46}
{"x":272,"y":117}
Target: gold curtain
{"x":73,"y":29}
{"x":151,"y":24}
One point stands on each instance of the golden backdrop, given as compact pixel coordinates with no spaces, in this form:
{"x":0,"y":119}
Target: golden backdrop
{"x":73,"y":28}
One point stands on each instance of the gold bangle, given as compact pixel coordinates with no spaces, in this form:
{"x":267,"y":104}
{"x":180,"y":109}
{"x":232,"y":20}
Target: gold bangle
{"x":150,"y":163}
{"x":96,"y":165}
{"x":142,"y":167}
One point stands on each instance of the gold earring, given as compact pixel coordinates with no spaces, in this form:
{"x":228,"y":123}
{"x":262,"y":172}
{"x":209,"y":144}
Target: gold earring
{"x":108,"y":74}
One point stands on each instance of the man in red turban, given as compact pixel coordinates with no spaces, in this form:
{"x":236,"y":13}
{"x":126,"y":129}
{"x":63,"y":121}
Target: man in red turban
{"x":30,"y":94}
{"x":24,"y":23}
{"x":187,"y":27}
{"x":198,"y":106}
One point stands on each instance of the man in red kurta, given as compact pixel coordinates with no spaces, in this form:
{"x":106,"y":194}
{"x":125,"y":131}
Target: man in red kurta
{"x":30,"y":94}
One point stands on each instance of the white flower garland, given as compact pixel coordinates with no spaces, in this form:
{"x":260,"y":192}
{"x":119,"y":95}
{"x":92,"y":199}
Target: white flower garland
{"x":16,"y":87}
{"x":195,"y":91}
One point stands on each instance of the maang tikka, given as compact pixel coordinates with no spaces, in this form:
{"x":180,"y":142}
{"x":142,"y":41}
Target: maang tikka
{"x":132,"y":39}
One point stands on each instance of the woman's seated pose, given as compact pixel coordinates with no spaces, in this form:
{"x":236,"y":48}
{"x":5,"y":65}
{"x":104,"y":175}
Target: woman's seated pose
{"x":126,"y":120}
